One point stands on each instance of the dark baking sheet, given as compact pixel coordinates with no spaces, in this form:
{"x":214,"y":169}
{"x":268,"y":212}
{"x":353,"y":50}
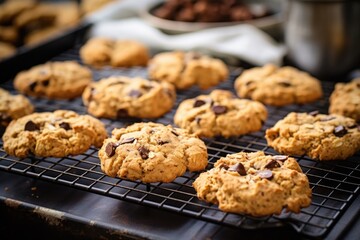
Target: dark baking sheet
{"x":335,"y":184}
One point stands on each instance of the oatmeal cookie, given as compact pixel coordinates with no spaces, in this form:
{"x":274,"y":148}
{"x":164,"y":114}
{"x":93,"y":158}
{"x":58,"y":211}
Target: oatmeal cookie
{"x":152,"y":152}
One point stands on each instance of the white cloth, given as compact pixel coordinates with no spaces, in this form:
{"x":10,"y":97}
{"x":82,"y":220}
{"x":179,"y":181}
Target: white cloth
{"x":243,"y":41}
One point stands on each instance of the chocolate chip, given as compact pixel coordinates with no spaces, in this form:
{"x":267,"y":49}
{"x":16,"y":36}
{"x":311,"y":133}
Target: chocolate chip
{"x":267,"y":174}
{"x":199,"y":103}
{"x":280,"y":157}
{"x":121,"y":113}
{"x":110,"y":149}
{"x":340,"y":131}
{"x":135,"y":93}
{"x":127,"y":140}
{"x":225,"y":166}
{"x":218,"y":109}
{"x":238,"y":167}
{"x":314,"y":113}
{"x":144,"y":152}
{"x":327,"y":118}
{"x":31,"y":126}
{"x":65,"y":126}
{"x":352,"y":126}
{"x":197,"y":120}
{"x":32,"y":86}
{"x":284,"y":84}
{"x":162,"y":142}
{"x":45,"y":83}
{"x":272,"y":164}
{"x":175,"y":133}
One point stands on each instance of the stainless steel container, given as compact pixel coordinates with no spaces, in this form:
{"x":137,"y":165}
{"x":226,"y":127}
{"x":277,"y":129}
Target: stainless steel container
{"x":323,"y":36}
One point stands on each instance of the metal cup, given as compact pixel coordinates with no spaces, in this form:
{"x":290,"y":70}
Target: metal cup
{"x":323,"y":36}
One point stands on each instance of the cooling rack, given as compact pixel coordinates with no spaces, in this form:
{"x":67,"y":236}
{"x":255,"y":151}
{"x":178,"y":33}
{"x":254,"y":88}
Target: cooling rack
{"x":335,"y":184}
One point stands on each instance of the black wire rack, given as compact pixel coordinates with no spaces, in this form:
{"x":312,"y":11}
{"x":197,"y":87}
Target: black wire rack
{"x":334,"y":184}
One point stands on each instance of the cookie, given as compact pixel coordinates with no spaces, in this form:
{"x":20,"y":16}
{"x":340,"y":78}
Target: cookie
{"x":187,"y":69}
{"x":11,"y":9}
{"x":117,"y":53}
{"x":220,"y":114}
{"x":8,"y":35}
{"x":255,"y":184}
{"x":53,"y":134}
{"x":319,"y":136}
{"x":278,"y":86}
{"x":12,"y":107}
{"x":122,"y":97}
{"x":54,"y":80}
{"x":6,"y":50}
{"x":345,"y":99}
{"x":152,"y":152}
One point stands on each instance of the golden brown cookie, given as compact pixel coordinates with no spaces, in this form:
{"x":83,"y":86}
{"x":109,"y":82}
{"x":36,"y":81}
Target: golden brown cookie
{"x":53,"y":134}
{"x":12,"y":8}
{"x":320,"y":136}
{"x":13,"y":107}
{"x":278,"y":86}
{"x":122,"y":97}
{"x":117,"y":53}
{"x":54,"y":80}
{"x":255,"y":184}
{"x":345,"y":100}
{"x":187,"y":69}
{"x":6,"y":50}
{"x":152,"y":152}
{"x":220,"y":114}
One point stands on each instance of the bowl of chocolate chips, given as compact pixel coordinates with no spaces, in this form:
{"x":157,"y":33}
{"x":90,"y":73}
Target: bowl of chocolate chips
{"x":182,"y":16}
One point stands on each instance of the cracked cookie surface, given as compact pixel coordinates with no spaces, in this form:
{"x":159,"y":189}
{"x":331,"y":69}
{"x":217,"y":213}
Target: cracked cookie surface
{"x":152,"y":152}
{"x":255,"y":184}
{"x":13,"y":107}
{"x":100,"y":52}
{"x":185,"y":69}
{"x":121,"y":97}
{"x":53,"y":134}
{"x":220,"y":114}
{"x":54,"y":80}
{"x":278,"y":86}
{"x":320,"y":136}
{"x":345,"y":99}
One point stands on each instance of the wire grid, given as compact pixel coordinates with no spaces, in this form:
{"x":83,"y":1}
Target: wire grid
{"x":334,"y":184}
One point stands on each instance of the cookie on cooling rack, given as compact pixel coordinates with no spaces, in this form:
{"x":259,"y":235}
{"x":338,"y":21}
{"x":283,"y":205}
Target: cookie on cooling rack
{"x":220,"y":114}
{"x":278,"y":86}
{"x":255,"y":184}
{"x":187,"y":69}
{"x":121,"y":97}
{"x":12,"y":107}
{"x":152,"y":152}
{"x":117,"y":53}
{"x":54,"y":80}
{"x":319,"y":136}
{"x":345,"y":99}
{"x":53,"y":134}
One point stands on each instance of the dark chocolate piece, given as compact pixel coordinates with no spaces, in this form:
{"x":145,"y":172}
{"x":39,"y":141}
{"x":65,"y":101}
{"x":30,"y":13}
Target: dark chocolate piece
{"x":31,"y":126}
{"x":238,"y":167}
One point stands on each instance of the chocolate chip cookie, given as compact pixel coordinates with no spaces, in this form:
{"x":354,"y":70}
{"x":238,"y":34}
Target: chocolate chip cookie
{"x":220,"y":114}
{"x":12,"y":107}
{"x":255,"y":184}
{"x":152,"y":152}
{"x":100,"y":52}
{"x":345,"y":100}
{"x":187,"y":69}
{"x":122,"y":97}
{"x":320,"y":136}
{"x":53,"y":134}
{"x":54,"y":80}
{"x":278,"y":86}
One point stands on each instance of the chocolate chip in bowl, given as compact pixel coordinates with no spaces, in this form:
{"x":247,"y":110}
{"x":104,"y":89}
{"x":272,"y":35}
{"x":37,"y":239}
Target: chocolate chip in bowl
{"x":181,"y":16}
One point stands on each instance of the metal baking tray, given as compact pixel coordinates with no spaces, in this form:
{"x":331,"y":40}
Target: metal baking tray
{"x":335,"y":184}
